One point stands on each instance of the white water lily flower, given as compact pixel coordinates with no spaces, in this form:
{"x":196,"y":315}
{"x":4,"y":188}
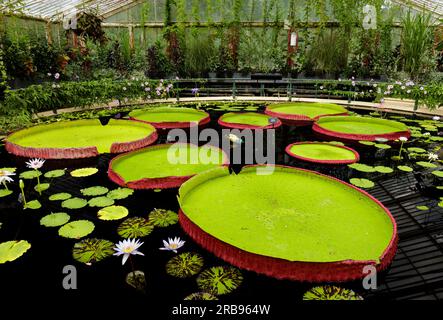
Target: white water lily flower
{"x":126,"y":248}
{"x":381,"y":140}
{"x":173,"y":244}
{"x":5,"y":176}
{"x":432,"y":156}
{"x":403,"y":139}
{"x":35,"y":163}
{"x":426,"y":134}
{"x":436,"y":118}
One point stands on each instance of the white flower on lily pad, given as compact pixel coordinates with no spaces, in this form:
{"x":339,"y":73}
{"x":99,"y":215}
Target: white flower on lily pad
{"x":432,"y":156}
{"x":35,"y":163}
{"x":127,"y":248}
{"x":403,"y":139}
{"x":5,"y":176}
{"x":436,"y":118}
{"x":173,"y":244}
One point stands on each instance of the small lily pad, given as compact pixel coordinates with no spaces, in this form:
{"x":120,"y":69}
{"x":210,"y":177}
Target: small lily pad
{"x":33,"y":205}
{"x":42,"y":187}
{"x":100,"y":202}
{"x":135,"y":227}
{"x":55,"y":219}
{"x":383,"y":169}
{"x":31,"y":174}
{"x":94,"y":191}
{"x":163,"y":218}
{"x":362,"y":183}
{"x":76,"y":229}
{"x":185,"y":265}
{"x":60,"y":196}
{"x":423,"y":208}
{"x":219,"y":280}
{"x":331,"y":293}
{"x":120,"y":193}
{"x":74,"y":203}
{"x":54,"y":174}
{"x":367,"y":143}
{"x":416,"y":150}
{"x":382,"y":146}
{"x":84,"y":172}
{"x":113,"y":213}
{"x":438,"y":174}
{"x":362,"y":167}
{"x":92,"y":250}
{"x":12,"y":250}
{"x":426,"y":164}
{"x":5,"y":193}
{"x":405,"y":168}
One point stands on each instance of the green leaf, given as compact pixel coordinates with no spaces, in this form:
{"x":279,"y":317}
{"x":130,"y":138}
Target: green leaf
{"x":113,"y":213}
{"x":383,"y":169}
{"x":100,"y":202}
{"x":416,"y":150}
{"x":31,"y":174}
{"x":5,"y":193}
{"x":92,"y":250}
{"x":84,"y":172}
{"x":54,"y":174}
{"x":135,"y":227}
{"x":382,"y":146}
{"x":219,"y":280}
{"x":12,"y":250}
{"x":426,"y":164}
{"x":120,"y":193}
{"x":163,"y":218}
{"x":76,"y":229}
{"x":200,"y":296}
{"x":438,"y":174}
{"x":405,"y":168}
{"x":59,"y":196}
{"x":367,"y":143}
{"x":185,"y":265}
{"x":94,"y":191}
{"x":74,"y":203}
{"x":362,"y":183}
{"x":42,"y":187}
{"x":331,"y":293}
{"x":362,"y":167}
{"x":55,"y":219}
{"x":423,"y":208}
{"x":33,"y":205}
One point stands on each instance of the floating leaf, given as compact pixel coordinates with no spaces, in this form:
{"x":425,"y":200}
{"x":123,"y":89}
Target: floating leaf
{"x":113,"y":213}
{"x":219,"y":280}
{"x":416,"y":150}
{"x":423,"y":208}
{"x":100,"y":202}
{"x":136,"y":279}
{"x":84,"y":172}
{"x":31,"y":174}
{"x":5,"y":193}
{"x":362,"y":167}
{"x":76,"y":229}
{"x":135,"y":227}
{"x":12,"y":250}
{"x":405,"y":168}
{"x":426,"y":164}
{"x":163,"y":218}
{"x":383,"y":169}
{"x":92,"y":250}
{"x":55,"y":219}
{"x":438,"y":174}
{"x":184,"y":265}
{"x":33,"y":205}
{"x":42,"y":187}
{"x":337,"y":143}
{"x":94,"y":191}
{"x":74,"y":203}
{"x":54,"y":174}
{"x":362,"y":183}
{"x":120,"y":193}
{"x":10,"y":169}
{"x":201,"y":296}
{"x":382,"y":146}
{"x":60,"y":196}
{"x":331,"y":293}
{"x":367,"y":143}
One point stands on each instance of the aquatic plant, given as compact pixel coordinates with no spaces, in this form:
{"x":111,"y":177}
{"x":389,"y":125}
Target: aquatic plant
{"x":22,"y":190}
{"x":163,"y":218}
{"x":92,"y":250}
{"x":76,"y":229}
{"x":60,"y":196}
{"x":55,"y":219}
{"x":135,"y":227}
{"x":74,"y":203}
{"x":5,"y":177}
{"x":402,"y":140}
{"x":184,"y":265}
{"x":438,"y":174}
{"x":94,"y":191}
{"x":201,"y":296}
{"x":112,"y":213}
{"x":173,"y":244}
{"x":12,"y":250}
{"x":55,"y":173}
{"x":331,"y":293}
{"x":84,"y":172}
{"x":36,"y":164}
{"x":383,"y":169}
{"x":219,"y":280}
{"x":362,"y":183}
{"x":136,"y":279}
{"x":120,"y":193}
{"x":127,"y":248}
{"x":405,"y":168}
{"x":100,"y":202}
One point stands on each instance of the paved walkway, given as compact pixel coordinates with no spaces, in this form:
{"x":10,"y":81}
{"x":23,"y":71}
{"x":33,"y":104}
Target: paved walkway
{"x":393,"y":105}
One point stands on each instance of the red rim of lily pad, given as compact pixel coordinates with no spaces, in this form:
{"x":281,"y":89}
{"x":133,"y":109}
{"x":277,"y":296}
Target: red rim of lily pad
{"x":154,"y":183}
{"x":339,"y":271}
{"x":232,"y":125}
{"x":332,"y":162}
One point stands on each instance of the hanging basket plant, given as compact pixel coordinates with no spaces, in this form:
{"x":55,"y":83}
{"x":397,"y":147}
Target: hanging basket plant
{"x":89,"y":25}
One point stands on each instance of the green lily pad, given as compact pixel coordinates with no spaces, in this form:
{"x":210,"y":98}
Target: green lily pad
{"x":438,"y":174}
{"x":436,"y":138}
{"x":426,"y":164}
{"x":367,"y":143}
{"x":416,"y":150}
{"x":440,"y":204}
{"x":54,"y":174}
{"x":33,"y":205}
{"x":113,"y":213}
{"x":383,"y":169}
{"x":74,"y":203}
{"x":76,"y":229}
{"x":423,"y":208}
{"x":201,"y":296}
{"x":219,"y":280}
{"x":331,"y":293}
{"x":60,"y":196}
{"x":362,"y":167}
{"x":382,"y":146}
{"x":100,"y":202}
{"x":42,"y":187}
{"x":12,"y":250}
{"x":92,"y":250}
{"x":120,"y":193}
{"x":10,"y":169}
{"x":184,"y":265}
{"x":5,"y":193}
{"x":337,"y":143}
{"x":362,"y":183}
{"x":163,"y":218}
{"x":55,"y":219}
{"x":135,"y":227}
{"x":84,"y":172}
{"x":94,"y":191}
{"x":405,"y":168}
{"x":31,"y":174}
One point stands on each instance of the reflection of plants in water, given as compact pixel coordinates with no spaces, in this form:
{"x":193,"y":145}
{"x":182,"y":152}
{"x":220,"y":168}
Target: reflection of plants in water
{"x":163,"y":218}
{"x":219,"y":280}
{"x":201,"y":296}
{"x":92,"y":250}
{"x":135,"y":227}
{"x":184,"y":265}
{"x":331,"y":293}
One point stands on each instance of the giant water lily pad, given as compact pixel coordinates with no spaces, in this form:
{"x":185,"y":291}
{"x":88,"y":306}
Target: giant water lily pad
{"x":74,"y":203}
{"x":163,"y":218}
{"x":100,"y":202}
{"x":60,"y":196}
{"x":12,"y":250}
{"x":113,"y":213}
{"x":170,"y":117}
{"x":331,"y":293}
{"x":76,"y":229}
{"x":94,"y":191}
{"x":324,"y":153}
{"x":31,"y":174}
{"x":219,"y":280}
{"x":120,"y":193}
{"x":84,"y":172}
{"x":55,"y":219}
{"x":184,"y":265}
{"x":362,"y":183}
{"x":92,"y":250}
{"x":55,"y":174}
{"x":135,"y":227}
